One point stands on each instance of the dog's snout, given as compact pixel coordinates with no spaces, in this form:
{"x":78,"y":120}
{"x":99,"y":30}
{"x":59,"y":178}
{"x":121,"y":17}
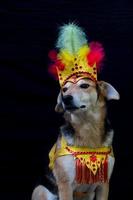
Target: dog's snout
{"x":67,"y":99}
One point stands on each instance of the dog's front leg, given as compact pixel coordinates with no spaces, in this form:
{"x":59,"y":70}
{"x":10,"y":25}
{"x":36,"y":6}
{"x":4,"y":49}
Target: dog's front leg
{"x":65,"y":191}
{"x":102,"y":192}
{"x":64,"y":172}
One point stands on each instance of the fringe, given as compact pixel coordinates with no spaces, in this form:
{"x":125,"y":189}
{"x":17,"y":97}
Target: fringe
{"x":85,"y":176}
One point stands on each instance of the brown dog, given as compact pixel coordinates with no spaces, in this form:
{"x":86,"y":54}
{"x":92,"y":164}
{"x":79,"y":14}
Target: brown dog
{"x":84,"y":107}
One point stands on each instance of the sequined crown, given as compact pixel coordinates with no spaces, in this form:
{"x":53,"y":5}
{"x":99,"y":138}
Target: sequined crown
{"x":76,"y":59}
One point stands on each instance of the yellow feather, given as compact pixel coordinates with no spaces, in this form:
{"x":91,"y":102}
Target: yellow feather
{"x":83,"y":51}
{"x":65,"y":57}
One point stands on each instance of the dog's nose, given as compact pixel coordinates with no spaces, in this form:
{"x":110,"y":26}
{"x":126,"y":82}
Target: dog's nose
{"x":67,"y":99}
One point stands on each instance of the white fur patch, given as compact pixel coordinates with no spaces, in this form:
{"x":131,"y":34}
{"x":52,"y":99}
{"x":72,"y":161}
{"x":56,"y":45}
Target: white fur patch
{"x":111,"y":162}
{"x":68,"y":165}
{"x":42,"y":193}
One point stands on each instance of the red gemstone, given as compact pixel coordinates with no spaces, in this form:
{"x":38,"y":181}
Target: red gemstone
{"x":93,"y":158}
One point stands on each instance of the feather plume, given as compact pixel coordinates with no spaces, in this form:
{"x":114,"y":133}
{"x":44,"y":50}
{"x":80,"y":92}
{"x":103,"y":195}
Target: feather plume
{"x":83,"y":51}
{"x":96,"y":55}
{"x":52,"y":55}
{"x":65,"y":56}
{"x":71,"y":38}
{"x":53,"y":71}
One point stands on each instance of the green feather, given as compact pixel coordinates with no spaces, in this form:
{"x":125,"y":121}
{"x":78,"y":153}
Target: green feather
{"x":71,"y":38}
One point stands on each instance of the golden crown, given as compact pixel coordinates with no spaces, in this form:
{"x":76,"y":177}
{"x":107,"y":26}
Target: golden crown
{"x":76,"y":59}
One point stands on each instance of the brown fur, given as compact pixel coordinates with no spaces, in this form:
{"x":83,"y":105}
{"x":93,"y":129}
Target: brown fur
{"x":88,"y":123}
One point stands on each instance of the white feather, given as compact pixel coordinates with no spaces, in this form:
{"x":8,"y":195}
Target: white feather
{"x":71,"y":38}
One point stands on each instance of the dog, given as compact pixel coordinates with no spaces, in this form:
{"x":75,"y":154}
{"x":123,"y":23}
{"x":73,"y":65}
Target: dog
{"x":84,"y":105}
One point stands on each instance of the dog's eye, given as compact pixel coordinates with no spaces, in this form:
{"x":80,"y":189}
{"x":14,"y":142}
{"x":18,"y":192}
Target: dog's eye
{"x":84,"y":85}
{"x":64,"y":89}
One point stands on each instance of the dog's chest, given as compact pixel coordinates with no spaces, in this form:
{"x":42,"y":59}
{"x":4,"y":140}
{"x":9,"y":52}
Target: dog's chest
{"x":90,"y":166}
{"x":82,"y":165}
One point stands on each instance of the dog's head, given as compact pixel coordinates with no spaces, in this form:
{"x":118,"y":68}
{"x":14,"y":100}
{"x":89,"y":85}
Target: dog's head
{"x":84,"y":95}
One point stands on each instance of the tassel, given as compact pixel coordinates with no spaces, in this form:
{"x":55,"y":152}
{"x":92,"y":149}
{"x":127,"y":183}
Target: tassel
{"x":106,"y":170}
{"x":84,"y":175}
{"x":78,"y":170}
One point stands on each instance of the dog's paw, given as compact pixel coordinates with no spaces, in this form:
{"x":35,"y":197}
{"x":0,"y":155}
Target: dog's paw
{"x":42,"y":193}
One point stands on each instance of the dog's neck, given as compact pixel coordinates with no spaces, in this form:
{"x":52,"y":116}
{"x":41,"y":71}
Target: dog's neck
{"x":89,"y":128}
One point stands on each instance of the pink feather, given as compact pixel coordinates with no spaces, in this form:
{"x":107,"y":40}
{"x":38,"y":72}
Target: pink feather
{"x":96,"y":55}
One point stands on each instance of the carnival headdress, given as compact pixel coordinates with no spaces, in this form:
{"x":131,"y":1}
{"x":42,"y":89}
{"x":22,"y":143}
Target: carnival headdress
{"x":75,"y":58}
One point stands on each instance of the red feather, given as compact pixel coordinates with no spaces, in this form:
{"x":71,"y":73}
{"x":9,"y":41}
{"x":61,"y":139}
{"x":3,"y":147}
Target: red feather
{"x":60,"y":65}
{"x":53,"y":71}
{"x":53,"y":68}
{"x":56,"y":63}
{"x":52,"y":55}
{"x":96,"y":55}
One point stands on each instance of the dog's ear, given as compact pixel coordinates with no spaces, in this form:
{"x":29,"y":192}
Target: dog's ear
{"x":59,"y":106}
{"x":108,"y":91}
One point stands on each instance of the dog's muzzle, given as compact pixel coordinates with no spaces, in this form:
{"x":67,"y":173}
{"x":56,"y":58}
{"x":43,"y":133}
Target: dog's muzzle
{"x":67,"y":99}
{"x":68,"y":102}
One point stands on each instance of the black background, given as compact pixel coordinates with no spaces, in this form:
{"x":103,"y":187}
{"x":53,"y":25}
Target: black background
{"x":28,"y":123}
